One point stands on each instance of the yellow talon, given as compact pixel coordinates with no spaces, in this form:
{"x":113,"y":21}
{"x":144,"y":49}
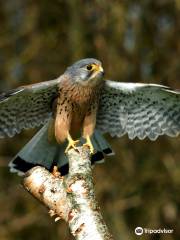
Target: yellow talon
{"x":89,"y":145}
{"x":71,"y":143}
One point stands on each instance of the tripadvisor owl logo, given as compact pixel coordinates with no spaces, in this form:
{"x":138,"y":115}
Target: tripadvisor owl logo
{"x":138,"y":230}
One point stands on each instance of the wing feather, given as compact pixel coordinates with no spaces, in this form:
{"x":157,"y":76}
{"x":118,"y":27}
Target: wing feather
{"x":26,"y":107}
{"x":140,"y":110}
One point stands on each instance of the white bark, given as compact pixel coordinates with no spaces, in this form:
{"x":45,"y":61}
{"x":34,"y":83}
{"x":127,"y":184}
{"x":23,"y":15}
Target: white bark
{"x":72,"y":197}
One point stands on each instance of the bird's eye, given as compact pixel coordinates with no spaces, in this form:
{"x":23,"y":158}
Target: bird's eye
{"x":89,"y":67}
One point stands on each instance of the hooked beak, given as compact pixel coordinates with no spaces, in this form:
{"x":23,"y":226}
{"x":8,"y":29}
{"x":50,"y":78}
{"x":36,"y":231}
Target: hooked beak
{"x":99,"y":69}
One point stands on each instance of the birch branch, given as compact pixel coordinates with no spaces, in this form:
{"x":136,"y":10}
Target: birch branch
{"x":72,"y":197}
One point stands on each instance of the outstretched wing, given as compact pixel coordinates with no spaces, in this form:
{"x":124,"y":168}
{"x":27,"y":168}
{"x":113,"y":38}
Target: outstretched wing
{"x":140,"y":110}
{"x":26,"y":107}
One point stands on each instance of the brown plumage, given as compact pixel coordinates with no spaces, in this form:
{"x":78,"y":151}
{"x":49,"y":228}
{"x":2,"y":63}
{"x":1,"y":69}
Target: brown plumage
{"x":79,"y":100}
{"x":76,"y":109}
{"x":66,"y":106}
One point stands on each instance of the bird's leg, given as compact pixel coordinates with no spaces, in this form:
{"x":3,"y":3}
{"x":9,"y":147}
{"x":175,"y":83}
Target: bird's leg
{"x":88,"y":144}
{"x":71,"y":143}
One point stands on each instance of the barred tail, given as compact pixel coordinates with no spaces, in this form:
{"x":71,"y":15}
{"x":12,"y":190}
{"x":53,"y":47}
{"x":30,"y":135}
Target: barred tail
{"x":102,"y":147}
{"x":39,"y":151}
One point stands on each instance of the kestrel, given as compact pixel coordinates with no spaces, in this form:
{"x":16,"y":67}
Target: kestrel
{"x":81,"y":105}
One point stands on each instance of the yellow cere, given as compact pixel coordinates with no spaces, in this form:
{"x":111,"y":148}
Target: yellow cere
{"x":97,"y":67}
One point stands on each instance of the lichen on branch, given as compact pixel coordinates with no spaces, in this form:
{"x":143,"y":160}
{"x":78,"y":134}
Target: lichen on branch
{"x":71,"y":198}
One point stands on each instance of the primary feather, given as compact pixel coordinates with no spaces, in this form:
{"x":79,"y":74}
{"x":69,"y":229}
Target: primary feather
{"x":26,"y":107}
{"x":140,"y":110}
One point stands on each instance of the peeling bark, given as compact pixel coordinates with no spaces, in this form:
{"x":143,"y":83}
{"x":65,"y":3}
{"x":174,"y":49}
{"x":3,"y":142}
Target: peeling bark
{"x":72,"y":197}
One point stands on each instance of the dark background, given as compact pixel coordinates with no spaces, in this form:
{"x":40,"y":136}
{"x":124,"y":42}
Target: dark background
{"x":137,"y":41}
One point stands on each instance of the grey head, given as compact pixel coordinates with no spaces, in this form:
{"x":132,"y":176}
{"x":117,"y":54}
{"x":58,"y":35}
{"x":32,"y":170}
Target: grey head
{"x":86,"y":71}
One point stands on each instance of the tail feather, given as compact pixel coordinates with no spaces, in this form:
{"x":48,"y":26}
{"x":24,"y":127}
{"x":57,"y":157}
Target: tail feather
{"x":101,"y":144}
{"x":39,"y":151}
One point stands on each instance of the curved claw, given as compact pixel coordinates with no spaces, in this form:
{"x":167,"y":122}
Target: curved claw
{"x":71,"y":144}
{"x":89,"y":145}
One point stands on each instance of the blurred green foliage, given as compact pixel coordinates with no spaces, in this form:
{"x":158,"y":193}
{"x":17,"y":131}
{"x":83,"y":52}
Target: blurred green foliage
{"x":137,"y":41}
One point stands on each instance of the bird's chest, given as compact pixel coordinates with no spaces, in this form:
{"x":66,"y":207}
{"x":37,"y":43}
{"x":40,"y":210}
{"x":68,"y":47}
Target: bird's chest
{"x":73,"y":105}
{"x":77,"y":100}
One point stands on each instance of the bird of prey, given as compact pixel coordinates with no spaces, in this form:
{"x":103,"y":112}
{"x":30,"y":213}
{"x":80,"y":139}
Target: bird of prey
{"x":78,"y":107}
